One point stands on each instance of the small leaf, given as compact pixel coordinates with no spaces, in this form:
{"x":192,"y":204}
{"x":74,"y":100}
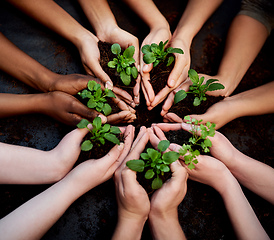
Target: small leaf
{"x":191,"y":166}
{"x":112,"y":64}
{"x":105,"y":128}
{"x":196,"y":101}
{"x":97,"y":123}
{"x":149,"y":58}
{"x":125,"y":78}
{"x":134,"y":72}
{"x":145,"y":156}
{"x":136,"y":165}
{"x":157,"y":183}
{"x":170,"y":157}
{"x":215,"y":86}
{"x":91,"y":103}
{"x":179,"y":96}
{"x":146,"y":49}
{"x":170,"y":60}
{"x":83,"y":123}
{"x":163,"y":145}
{"x":129,"y":52}
{"x":193,"y":75}
{"x":86,"y":145}
{"x":91,"y":85}
{"x":128,"y":70}
{"x":106,"y":109}
{"x":164,"y":168}
{"x":115,"y":48}
{"x":175,"y":50}
{"x":115,"y":130}
{"x":149,"y":174}
{"x":153,"y":154}
{"x":156,"y":63}
{"x":112,"y":138}
{"x":109,"y":93}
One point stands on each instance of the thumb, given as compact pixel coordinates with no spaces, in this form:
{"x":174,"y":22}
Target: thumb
{"x":147,"y":68}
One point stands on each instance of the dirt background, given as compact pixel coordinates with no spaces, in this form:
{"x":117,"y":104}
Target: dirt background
{"x":93,"y":216}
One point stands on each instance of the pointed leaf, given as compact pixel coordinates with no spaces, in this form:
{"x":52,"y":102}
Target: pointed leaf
{"x":129,"y":52}
{"x":163,"y":145}
{"x":170,"y":157}
{"x":193,"y":75}
{"x":115,"y":130}
{"x":215,"y":86}
{"x":112,"y":138}
{"x":179,"y":96}
{"x":157,"y":183}
{"x":109,"y":93}
{"x":83,"y":123}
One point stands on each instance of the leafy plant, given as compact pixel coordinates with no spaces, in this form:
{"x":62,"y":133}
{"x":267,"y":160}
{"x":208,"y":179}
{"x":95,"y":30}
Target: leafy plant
{"x":198,"y":88}
{"x":123,"y":63}
{"x":207,"y":130}
{"x":99,"y":132}
{"x":156,"y":161}
{"x":97,"y":97}
{"x":155,"y":53}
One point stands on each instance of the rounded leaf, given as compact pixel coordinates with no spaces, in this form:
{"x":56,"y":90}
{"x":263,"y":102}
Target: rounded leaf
{"x":146,"y":49}
{"x":112,"y":138}
{"x":134,"y":72}
{"x":97,"y":123}
{"x":129,"y":52}
{"x":149,"y":174}
{"x":86,"y":145}
{"x":83,"y":123}
{"x":170,"y":157}
{"x":149,"y":58}
{"x":106,"y":109}
{"x":157,"y":183}
{"x":163,"y":145}
{"x":112,"y":64}
{"x":136,"y":165}
{"x":125,"y":78}
{"x":115,"y":48}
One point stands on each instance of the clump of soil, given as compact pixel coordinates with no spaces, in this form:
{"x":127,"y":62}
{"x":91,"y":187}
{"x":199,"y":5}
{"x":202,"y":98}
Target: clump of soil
{"x":186,"y":107}
{"x":105,"y":56}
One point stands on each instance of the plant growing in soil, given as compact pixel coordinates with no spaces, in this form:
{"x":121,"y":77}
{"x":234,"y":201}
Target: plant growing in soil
{"x":198,"y":88}
{"x":207,"y":130}
{"x":97,"y":97}
{"x":123,"y":63}
{"x":157,"y":163}
{"x":99,"y":133}
{"x":155,"y":53}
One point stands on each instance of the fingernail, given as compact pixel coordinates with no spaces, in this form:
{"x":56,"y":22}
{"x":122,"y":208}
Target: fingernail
{"x":103,"y":118}
{"x":138,"y":68}
{"x":172,"y":83}
{"x":109,"y":85}
{"x":145,"y":67}
{"x":121,"y":146}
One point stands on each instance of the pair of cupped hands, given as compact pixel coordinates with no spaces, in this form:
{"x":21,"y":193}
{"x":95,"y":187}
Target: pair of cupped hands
{"x":133,"y":201}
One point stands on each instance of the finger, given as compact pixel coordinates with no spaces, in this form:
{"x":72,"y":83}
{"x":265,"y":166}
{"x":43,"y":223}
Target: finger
{"x":142,"y":131}
{"x":145,"y":94}
{"x":179,"y":72}
{"x":154,"y":140}
{"x":168,"y":103}
{"x":147,"y":68}
{"x":123,"y":94}
{"x":121,"y":117}
{"x":179,"y":173}
{"x":149,"y":90}
{"x":159,"y":133}
{"x":161,"y":96}
{"x":136,"y":90}
{"x":122,"y":105}
{"x":168,"y":126}
{"x":172,"y":117}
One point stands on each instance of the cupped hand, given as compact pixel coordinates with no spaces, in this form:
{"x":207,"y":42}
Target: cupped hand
{"x":132,"y":199}
{"x":178,"y":74}
{"x":155,"y":36}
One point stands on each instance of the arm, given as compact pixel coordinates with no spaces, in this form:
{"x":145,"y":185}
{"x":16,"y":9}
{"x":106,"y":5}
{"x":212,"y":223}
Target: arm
{"x":57,"y":19}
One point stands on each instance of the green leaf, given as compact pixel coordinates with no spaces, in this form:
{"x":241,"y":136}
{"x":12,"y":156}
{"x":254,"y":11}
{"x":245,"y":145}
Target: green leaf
{"x":179,"y":96}
{"x":156,"y":63}
{"x":146,"y":49}
{"x":145,"y":156}
{"x":154,"y":48}
{"x":102,"y":140}
{"x":105,"y":128}
{"x":91,"y":103}
{"x":134,"y":72}
{"x":170,"y":157}
{"x":136,"y":165}
{"x":112,"y":64}
{"x":170,"y":60}
{"x":86,"y":145}
{"x":109,"y":93}
{"x":83,"y":123}
{"x":91,"y":85}
{"x":85,"y":94}
{"x":207,"y":143}
{"x":112,"y":138}
{"x":164,"y":168}
{"x":97,"y":123}
{"x":106,"y":109}
{"x":191,"y":166}
{"x":115,"y":130}
{"x":175,"y":50}
{"x":115,"y":48}
{"x":153,"y":154}
{"x":149,"y":174}
{"x":166,"y":42}
{"x":215,"y":86}
{"x":128,"y":70}
{"x":125,"y":78}
{"x":157,"y":183}
{"x":163,"y":145}
{"x":193,"y":75}
{"x":149,"y":58}
{"x":129,"y":52}
{"x":196,"y":101}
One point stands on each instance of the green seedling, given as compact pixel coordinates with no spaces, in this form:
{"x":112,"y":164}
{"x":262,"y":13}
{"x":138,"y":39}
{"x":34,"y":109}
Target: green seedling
{"x":190,"y":151}
{"x":99,"y":132}
{"x":198,"y":88}
{"x":123,"y":63}
{"x":157,"y":163}
{"x":155,"y":53}
{"x":97,"y":97}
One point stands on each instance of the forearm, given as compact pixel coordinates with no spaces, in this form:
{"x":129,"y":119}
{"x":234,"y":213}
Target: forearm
{"x":245,"y":39}
{"x":99,"y":15}
{"x":149,"y":13}
{"x":21,"y":66}
{"x":195,"y":15}
{"x":244,"y":221}
{"x":41,"y":211}
{"x":165,"y":226}
{"x":129,"y":228}
{"x":54,"y":17}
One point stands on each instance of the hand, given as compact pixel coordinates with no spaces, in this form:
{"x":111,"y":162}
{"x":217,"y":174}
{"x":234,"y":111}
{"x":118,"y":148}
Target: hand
{"x":179,"y":73}
{"x":155,"y":36}
{"x":114,"y":34}
{"x":67,"y":109}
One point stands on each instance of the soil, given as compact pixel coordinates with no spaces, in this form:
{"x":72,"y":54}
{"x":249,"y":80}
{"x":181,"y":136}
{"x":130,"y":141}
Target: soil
{"x":186,"y":107}
{"x":105,"y":56}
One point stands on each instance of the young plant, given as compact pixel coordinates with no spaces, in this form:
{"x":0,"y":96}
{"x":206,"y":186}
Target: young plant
{"x":123,"y":63}
{"x":155,"y":53}
{"x":157,"y":163}
{"x":97,"y":97}
{"x":198,"y":88}
{"x":201,"y":140}
{"x":99,"y":132}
